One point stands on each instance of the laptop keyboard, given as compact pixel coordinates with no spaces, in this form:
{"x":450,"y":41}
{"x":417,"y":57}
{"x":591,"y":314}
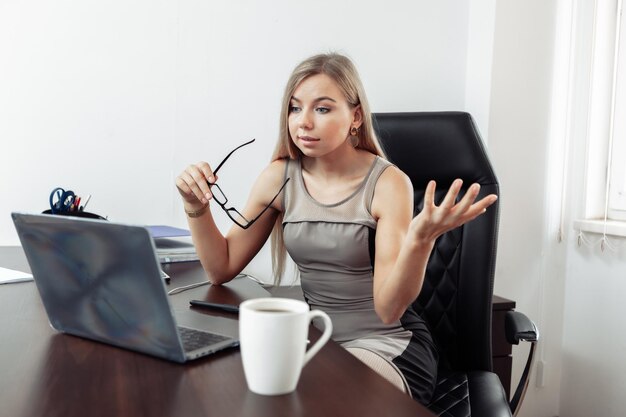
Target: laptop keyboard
{"x":196,"y":339}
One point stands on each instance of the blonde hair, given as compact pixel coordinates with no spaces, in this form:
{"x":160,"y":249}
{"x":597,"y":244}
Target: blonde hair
{"x":341,"y":69}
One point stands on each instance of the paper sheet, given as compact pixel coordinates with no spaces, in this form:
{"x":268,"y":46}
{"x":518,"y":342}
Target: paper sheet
{"x":8,"y":276}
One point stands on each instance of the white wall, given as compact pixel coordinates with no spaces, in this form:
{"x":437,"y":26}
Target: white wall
{"x":594,"y":343}
{"x":480,"y":45}
{"x":528,"y":269}
{"x":115,"y":98}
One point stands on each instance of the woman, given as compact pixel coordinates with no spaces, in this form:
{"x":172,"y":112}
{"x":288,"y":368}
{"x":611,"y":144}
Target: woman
{"x":341,"y":199}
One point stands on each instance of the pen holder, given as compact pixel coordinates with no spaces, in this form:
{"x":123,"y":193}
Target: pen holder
{"x":83,"y":214}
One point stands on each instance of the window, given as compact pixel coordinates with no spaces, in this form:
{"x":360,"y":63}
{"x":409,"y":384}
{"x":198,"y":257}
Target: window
{"x":617,"y":185}
{"x":600,"y":43}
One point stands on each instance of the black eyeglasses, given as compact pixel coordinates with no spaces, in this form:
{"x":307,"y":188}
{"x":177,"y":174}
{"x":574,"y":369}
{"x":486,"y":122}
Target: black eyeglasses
{"x":221,"y":199}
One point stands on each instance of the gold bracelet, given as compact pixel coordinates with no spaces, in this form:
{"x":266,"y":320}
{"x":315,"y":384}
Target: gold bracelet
{"x":197,"y":213}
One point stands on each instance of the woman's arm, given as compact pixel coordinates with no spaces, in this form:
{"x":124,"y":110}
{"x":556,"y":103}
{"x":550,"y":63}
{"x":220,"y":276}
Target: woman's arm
{"x":403,"y":245}
{"x":223,"y":257}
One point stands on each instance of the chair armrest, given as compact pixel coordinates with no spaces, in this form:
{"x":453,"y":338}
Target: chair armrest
{"x":487,"y":398}
{"x":517,"y":326}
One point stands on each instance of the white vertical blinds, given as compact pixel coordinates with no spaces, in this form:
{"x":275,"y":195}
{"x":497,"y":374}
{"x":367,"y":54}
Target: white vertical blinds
{"x":616,"y":169}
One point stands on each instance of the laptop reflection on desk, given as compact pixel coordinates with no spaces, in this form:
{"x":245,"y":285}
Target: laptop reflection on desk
{"x":101,"y":281}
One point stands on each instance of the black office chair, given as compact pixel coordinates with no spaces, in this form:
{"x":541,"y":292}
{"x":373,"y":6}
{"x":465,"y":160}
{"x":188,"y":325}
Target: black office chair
{"x":456,"y":297}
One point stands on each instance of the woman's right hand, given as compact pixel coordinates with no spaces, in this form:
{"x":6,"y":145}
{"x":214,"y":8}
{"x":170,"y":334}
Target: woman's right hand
{"x":193,"y":185}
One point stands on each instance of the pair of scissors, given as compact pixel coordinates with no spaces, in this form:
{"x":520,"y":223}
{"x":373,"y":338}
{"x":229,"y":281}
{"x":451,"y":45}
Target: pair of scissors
{"x":61,"y":200}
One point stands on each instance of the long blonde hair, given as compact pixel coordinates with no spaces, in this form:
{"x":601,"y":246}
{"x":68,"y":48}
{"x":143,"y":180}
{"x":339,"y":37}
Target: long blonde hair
{"x":341,"y":69}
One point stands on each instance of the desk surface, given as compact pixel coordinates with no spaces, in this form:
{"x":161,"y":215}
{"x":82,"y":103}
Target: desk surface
{"x":46,"y":373}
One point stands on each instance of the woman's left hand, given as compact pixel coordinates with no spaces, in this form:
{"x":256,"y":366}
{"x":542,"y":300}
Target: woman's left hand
{"x":433,"y":220}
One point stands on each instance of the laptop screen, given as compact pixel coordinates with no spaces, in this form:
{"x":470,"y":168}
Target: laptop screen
{"x":100,"y":280}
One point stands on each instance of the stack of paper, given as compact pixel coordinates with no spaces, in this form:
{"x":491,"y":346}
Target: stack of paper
{"x":8,"y":276}
{"x":173,"y":244}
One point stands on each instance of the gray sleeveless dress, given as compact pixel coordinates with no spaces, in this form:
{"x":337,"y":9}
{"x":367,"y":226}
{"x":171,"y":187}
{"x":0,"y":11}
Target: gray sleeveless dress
{"x":333,"y":247}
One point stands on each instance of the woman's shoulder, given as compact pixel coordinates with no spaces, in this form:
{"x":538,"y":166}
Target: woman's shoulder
{"x":278,"y":166}
{"x":269,"y":181}
{"x":392,"y":188}
{"x":274,"y":172}
{"x":391,"y":175}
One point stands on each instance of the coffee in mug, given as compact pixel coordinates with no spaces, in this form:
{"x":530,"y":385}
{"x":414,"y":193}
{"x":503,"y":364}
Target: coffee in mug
{"x":273,"y":334}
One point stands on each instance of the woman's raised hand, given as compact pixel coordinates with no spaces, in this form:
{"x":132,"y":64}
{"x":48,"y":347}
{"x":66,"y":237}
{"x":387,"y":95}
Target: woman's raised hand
{"x":193,"y":186}
{"x":433,"y":220}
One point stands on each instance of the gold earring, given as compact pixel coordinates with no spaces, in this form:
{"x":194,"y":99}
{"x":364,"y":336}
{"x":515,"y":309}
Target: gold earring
{"x":354,"y":138}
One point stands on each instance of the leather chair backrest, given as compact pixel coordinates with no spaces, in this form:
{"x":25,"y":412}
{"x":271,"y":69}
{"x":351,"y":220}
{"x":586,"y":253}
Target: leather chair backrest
{"x":456,"y":298}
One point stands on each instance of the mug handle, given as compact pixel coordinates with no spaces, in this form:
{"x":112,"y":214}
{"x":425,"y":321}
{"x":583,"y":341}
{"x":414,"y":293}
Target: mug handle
{"x":328,"y":329}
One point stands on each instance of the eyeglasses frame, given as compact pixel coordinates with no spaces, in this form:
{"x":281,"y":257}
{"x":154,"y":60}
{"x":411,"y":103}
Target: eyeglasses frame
{"x":230,"y":210}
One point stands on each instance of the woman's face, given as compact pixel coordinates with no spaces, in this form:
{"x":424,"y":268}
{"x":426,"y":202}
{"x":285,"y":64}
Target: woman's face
{"x":320,"y":117}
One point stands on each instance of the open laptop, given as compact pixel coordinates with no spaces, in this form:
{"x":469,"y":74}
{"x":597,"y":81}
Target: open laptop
{"x":101,"y":280}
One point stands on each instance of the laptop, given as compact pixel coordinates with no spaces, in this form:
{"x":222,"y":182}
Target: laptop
{"x":101,"y":281}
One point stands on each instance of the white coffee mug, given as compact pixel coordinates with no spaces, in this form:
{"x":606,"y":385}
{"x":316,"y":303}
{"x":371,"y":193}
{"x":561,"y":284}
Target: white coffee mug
{"x":273,"y":335}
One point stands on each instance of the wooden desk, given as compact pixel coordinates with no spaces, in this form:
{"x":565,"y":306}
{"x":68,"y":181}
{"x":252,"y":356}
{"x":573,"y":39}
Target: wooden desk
{"x":43,"y":373}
